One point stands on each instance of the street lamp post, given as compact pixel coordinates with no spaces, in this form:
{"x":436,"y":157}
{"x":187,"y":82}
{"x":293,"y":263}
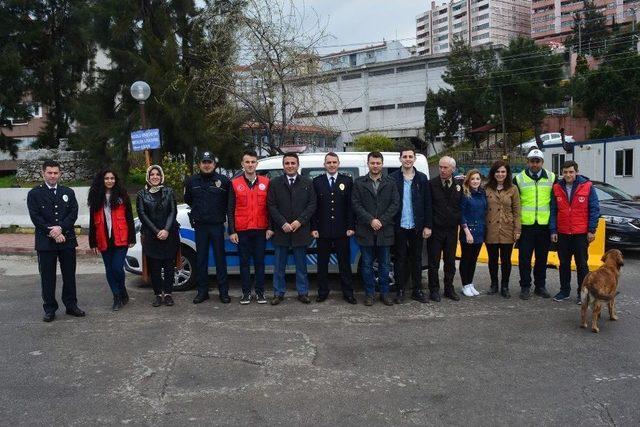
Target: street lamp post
{"x":140,"y":91}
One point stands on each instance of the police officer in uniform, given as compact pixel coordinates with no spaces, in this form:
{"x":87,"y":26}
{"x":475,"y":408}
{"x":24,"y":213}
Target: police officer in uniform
{"x":207,"y":194}
{"x":53,"y":210}
{"x":332,"y":225}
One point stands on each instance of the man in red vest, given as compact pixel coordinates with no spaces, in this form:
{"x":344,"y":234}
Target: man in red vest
{"x":248,"y":224}
{"x":574,"y":218}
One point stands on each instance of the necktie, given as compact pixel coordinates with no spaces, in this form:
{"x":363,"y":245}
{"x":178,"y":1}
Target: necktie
{"x":447,"y":183}
{"x":53,"y":191}
{"x":291,"y":181}
{"x":332,"y":182}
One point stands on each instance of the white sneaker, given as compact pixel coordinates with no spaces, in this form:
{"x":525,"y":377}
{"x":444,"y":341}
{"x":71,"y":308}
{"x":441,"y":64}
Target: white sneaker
{"x":473,"y":289}
{"x":466,"y":290}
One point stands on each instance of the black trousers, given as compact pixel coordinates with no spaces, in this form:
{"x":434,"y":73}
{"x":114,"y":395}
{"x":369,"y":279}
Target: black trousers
{"x":206,"y":235}
{"x":442,"y":244}
{"x":159,"y":283}
{"x":576,"y":246}
{"x":468,"y":261}
{"x":502,"y":252}
{"x":47,"y":263}
{"x":408,"y":262}
{"x":534,"y":238}
{"x":340,"y":246}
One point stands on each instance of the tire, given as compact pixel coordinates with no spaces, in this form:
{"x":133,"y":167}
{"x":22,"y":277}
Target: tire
{"x":184,"y":278}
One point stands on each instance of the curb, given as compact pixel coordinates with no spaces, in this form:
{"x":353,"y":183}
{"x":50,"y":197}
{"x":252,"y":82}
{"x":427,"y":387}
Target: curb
{"x":13,"y":250}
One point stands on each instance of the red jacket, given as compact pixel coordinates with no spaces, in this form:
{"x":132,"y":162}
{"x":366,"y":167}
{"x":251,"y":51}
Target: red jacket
{"x":119,"y":227}
{"x":573,"y":217}
{"x":251,"y":204}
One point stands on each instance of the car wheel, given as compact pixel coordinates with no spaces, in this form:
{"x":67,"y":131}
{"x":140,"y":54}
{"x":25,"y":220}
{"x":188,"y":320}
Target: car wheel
{"x":184,"y":278}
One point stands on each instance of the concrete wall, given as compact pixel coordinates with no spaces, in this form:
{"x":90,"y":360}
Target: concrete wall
{"x":13,"y":207}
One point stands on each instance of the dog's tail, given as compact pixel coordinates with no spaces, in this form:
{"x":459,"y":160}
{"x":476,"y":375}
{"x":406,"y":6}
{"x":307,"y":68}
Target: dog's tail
{"x":584,"y":295}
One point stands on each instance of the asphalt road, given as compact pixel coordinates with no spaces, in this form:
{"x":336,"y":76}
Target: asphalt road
{"x":481,"y":361}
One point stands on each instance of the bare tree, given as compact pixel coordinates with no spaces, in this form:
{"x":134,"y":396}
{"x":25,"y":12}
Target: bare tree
{"x":275,"y":42}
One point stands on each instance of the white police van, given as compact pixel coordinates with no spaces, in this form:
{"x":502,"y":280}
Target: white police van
{"x":353,"y":164}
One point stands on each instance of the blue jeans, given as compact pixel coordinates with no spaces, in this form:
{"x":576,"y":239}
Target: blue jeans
{"x":251,"y":244}
{"x":382,"y":254}
{"x":300,"y":256}
{"x":114,"y":267}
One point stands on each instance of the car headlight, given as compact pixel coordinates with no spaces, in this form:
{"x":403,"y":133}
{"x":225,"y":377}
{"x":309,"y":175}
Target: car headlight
{"x":137,"y":224}
{"x":612,"y":219}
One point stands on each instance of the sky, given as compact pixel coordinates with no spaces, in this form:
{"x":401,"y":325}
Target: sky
{"x":366,"y":21}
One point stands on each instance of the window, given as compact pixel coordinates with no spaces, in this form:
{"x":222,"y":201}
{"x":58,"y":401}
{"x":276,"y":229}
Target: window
{"x":382,"y":107}
{"x":411,"y":104}
{"x":556,"y":163}
{"x":352,"y":110}
{"x":303,"y":114}
{"x":327,"y":80}
{"x":382,"y":72}
{"x":410,"y":68}
{"x":624,"y":162}
{"x":351,"y":76}
{"x":312,"y":173}
{"x":271,"y":173}
{"x":327,"y":113}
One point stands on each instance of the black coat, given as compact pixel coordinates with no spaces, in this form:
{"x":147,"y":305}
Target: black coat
{"x":287,"y":204}
{"x":367,"y":205}
{"x":158,"y":213}
{"x":445,"y":204}
{"x":208,"y":197}
{"x":420,"y":199}
{"x":47,"y":210}
{"x":334,"y":213}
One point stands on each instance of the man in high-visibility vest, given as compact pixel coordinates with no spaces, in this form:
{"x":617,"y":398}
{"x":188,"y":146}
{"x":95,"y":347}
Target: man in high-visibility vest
{"x":535,"y":185}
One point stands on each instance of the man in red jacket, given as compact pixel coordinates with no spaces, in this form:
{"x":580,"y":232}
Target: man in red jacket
{"x":574,"y":218}
{"x":248,"y":224}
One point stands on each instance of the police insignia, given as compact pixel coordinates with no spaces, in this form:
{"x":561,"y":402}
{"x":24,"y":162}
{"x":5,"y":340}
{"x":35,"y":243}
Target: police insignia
{"x":457,"y":187}
{"x":65,"y":198}
{"x":218,"y":183}
{"x":341,"y":187}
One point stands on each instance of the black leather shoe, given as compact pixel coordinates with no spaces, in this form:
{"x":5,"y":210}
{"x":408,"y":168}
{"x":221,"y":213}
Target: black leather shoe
{"x":434,"y":296}
{"x":117,"y":303}
{"x":350,"y":299}
{"x":277,"y":300}
{"x":48,"y":317}
{"x":321,"y":298}
{"x":200,"y":298}
{"x":525,"y":293}
{"x":399,"y":299}
{"x":75,"y":311}
{"x":225,"y":299}
{"x":124,"y":297}
{"x":386,"y":299}
{"x":420,"y":297}
{"x":451,"y":294}
{"x":542,"y":292}
{"x":168,"y":300}
{"x":304,"y":299}
{"x":493,"y":290}
{"x":157,"y":301}
{"x":505,"y":292}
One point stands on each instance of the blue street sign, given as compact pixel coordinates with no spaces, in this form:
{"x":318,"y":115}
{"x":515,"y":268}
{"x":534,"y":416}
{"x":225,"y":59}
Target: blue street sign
{"x":148,"y":139}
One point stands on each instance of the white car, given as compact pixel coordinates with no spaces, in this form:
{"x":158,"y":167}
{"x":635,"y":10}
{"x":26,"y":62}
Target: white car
{"x":547,"y":139}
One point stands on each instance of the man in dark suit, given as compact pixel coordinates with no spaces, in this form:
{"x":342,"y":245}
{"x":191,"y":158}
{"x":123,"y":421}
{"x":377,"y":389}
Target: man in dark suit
{"x":413,"y":224}
{"x":291,"y":202}
{"x":53,"y":210}
{"x":375,"y":203}
{"x":446,"y":192}
{"x":333,"y":224}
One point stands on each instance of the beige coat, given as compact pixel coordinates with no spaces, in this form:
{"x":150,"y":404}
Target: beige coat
{"x":503,"y":215}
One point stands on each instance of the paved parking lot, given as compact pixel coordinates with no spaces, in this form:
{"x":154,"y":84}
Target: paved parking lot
{"x":481,"y":361}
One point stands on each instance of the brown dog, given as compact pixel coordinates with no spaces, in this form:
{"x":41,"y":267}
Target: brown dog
{"x":601,"y":286}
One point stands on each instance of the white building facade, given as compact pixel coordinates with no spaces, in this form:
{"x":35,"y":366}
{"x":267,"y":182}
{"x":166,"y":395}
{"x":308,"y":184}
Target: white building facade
{"x":478,"y":22}
{"x":385,"y":97}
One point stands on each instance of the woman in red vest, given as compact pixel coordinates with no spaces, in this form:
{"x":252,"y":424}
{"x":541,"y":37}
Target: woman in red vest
{"x":111,"y":230}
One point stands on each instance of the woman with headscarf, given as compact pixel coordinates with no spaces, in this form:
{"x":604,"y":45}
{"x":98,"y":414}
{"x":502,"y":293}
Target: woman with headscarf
{"x":111,"y":229}
{"x":157,"y":210}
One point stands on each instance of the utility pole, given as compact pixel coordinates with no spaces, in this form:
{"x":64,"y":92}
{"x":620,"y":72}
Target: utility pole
{"x":504,"y":135}
{"x":580,"y":36}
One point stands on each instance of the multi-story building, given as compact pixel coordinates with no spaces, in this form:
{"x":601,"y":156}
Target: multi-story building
{"x":385,"y":51}
{"x":386,"y":97}
{"x":552,"y":20}
{"x":478,"y":22}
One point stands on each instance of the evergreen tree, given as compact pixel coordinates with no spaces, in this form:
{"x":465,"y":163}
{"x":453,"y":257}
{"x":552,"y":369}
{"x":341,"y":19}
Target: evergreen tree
{"x":589,"y":30}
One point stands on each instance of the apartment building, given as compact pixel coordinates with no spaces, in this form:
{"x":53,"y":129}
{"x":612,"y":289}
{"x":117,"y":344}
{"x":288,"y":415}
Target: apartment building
{"x":478,"y":22}
{"x":552,"y":20}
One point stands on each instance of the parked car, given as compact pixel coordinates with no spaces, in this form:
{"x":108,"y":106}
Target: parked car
{"x":621,"y":213}
{"x":353,"y":164}
{"x":547,"y":139}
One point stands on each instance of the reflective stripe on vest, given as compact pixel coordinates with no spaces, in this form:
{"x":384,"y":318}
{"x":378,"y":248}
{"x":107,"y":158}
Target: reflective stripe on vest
{"x":535,"y":198}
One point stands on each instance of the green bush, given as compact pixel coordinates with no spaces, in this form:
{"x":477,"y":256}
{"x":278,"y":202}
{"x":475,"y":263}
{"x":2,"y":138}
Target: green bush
{"x":604,"y":131}
{"x":374,"y":142}
{"x":137,"y":176}
{"x":175,"y":170}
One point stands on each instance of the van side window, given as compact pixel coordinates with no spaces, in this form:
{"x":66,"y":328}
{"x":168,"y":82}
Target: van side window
{"x":313,"y":172}
{"x":270,"y":173}
{"x":388,"y":171}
